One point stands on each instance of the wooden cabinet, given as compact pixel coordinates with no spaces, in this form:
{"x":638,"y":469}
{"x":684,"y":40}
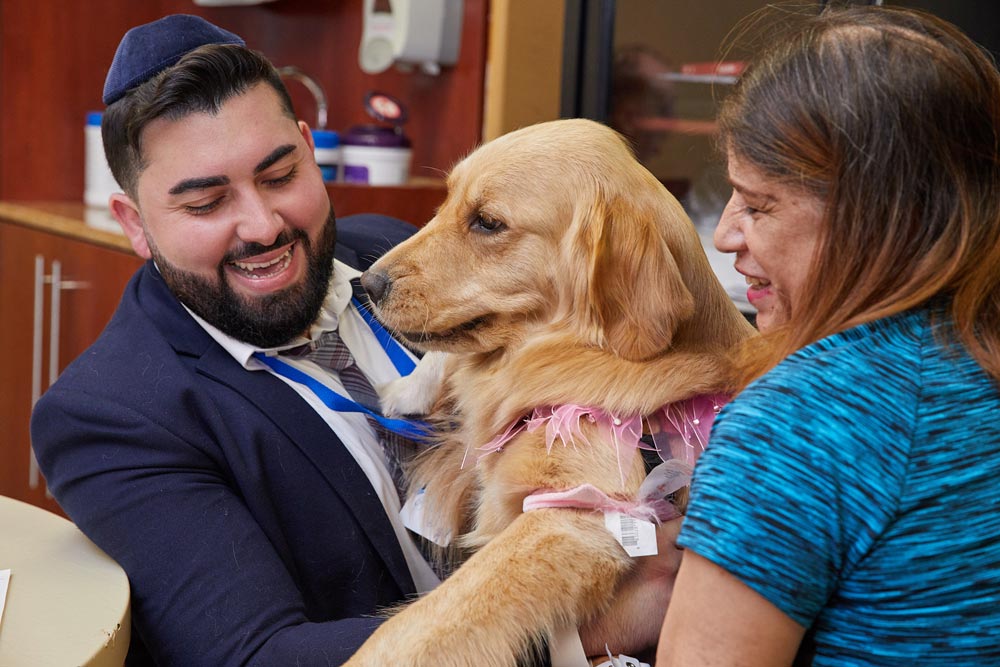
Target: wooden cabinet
{"x":57,"y":293}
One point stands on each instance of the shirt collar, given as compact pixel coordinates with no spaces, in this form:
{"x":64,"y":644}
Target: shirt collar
{"x":338,"y":299}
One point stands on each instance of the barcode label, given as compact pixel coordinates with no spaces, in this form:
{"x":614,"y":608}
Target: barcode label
{"x":636,"y":536}
{"x":630,"y":532}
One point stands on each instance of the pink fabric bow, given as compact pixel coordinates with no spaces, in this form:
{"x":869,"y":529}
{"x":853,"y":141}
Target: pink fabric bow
{"x":588,"y":496}
{"x":680,"y":433}
{"x":651,"y":505}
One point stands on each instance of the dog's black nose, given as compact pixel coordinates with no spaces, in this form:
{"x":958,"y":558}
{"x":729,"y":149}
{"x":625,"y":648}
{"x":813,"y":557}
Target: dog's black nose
{"x":377,"y":285}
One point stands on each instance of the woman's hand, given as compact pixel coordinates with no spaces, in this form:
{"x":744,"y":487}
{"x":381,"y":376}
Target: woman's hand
{"x":632,"y":625}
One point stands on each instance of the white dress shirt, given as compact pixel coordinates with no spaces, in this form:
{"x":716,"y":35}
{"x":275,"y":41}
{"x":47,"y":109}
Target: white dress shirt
{"x":351,"y":428}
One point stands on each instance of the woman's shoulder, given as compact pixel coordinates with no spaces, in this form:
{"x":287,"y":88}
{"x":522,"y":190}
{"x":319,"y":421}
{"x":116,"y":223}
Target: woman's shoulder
{"x":857,"y":381}
{"x":866,"y":359}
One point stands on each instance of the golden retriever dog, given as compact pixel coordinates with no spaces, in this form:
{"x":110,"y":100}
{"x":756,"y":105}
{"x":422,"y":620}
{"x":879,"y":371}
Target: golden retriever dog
{"x":557,"y":272}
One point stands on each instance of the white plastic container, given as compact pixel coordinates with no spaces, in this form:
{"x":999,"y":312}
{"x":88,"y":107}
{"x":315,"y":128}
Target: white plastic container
{"x":376,"y":165}
{"x":327,"y":150}
{"x":378,"y":154}
{"x":98,"y":183}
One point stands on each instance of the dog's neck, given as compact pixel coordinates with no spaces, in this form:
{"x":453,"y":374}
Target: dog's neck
{"x":499,"y":387}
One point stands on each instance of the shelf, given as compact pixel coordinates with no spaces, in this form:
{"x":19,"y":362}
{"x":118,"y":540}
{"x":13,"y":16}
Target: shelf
{"x":679,"y":125}
{"x":699,"y":78}
{"x":724,"y":72}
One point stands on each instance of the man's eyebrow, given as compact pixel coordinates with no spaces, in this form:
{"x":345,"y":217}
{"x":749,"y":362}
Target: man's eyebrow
{"x":215,"y":181}
{"x":275,"y":155}
{"x":199,"y":184}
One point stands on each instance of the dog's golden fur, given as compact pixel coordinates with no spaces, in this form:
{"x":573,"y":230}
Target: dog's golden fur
{"x":558,"y":270}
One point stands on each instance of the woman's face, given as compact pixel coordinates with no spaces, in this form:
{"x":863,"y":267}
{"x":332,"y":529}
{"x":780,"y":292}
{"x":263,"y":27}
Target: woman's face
{"x":773,"y":229}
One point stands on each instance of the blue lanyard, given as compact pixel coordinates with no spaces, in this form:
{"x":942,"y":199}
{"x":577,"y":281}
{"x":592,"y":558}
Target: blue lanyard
{"x":400,"y":359}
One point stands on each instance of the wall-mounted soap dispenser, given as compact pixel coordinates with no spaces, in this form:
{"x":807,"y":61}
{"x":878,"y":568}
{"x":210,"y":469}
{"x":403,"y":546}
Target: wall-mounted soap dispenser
{"x":425,"y":33}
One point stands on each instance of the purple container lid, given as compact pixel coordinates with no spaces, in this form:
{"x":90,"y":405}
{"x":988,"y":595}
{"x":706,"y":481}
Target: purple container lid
{"x":385,"y":108}
{"x":375,"y":135}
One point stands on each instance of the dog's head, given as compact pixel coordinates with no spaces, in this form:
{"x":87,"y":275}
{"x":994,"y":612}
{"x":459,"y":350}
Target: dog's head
{"x":553,"y":225}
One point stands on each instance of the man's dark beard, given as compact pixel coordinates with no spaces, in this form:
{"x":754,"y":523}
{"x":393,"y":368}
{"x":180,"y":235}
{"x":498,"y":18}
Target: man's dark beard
{"x":266,"y":321}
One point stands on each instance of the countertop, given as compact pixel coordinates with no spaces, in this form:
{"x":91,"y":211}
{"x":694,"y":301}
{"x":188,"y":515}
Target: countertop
{"x":69,"y":219}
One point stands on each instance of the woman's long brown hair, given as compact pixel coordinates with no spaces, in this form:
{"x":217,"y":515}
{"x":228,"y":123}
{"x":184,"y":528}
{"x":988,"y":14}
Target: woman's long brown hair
{"x":892,"y":118}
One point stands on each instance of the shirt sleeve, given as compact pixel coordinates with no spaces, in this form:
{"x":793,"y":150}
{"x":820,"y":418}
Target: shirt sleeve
{"x":801,"y":475}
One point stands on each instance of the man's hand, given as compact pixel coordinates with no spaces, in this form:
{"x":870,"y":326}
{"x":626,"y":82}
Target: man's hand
{"x":632,"y":625}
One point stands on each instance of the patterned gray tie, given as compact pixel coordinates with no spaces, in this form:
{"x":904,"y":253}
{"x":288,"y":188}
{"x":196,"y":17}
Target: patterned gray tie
{"x":331,"y":352}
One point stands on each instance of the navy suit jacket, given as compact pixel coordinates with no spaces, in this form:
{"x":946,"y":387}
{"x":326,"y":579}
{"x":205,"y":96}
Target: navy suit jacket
{"x":248,"y":532}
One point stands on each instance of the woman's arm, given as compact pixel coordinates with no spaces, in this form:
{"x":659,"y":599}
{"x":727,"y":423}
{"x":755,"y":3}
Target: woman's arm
{"x":716,"y":619}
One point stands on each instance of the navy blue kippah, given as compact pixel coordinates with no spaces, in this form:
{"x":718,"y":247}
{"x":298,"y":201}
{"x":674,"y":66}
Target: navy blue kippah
{"x":147,"y":50}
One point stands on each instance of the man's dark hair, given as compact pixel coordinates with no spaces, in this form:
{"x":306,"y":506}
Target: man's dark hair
{"x":202,"y":81}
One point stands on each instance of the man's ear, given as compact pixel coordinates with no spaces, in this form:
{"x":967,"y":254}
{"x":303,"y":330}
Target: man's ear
{"x":307,"y":135}
{"x":126,"y":212}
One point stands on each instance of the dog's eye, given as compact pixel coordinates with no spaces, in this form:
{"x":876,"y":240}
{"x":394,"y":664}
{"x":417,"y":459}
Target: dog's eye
{"x":486,"y":225}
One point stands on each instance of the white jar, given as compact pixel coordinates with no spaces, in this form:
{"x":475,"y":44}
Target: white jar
{"x":326,"y":146}
{"x":376,"y":165}
{"x":376,"y":155}
{"x":98,"y":183}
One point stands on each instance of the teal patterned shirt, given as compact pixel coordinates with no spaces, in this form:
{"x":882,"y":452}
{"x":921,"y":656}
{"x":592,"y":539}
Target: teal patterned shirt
{"x":857,"y":487}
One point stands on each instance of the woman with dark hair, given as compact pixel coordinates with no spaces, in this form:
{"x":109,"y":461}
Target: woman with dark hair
{"x":846,"y":509}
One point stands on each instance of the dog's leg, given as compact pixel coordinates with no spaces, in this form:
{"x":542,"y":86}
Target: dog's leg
{"x":550,"y":568}
{"x":416,"y":393}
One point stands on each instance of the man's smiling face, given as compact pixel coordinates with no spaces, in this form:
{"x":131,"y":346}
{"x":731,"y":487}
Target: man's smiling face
{"x":233,"y":209}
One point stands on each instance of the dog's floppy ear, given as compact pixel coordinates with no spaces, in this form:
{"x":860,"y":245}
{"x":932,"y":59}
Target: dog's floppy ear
{"x":634,"y":294}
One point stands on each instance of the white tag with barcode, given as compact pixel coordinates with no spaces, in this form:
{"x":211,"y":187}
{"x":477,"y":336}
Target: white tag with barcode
{"x":636,"y":536}
{"x":413,"y":517}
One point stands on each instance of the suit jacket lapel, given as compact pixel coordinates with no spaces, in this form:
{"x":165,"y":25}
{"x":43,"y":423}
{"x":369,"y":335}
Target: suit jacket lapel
{"x":279,"y":403}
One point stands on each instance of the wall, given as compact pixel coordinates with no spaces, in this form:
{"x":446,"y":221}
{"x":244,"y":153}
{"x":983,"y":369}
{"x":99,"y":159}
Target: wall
{"x":525,"y":56}
{"x":54,"y":56}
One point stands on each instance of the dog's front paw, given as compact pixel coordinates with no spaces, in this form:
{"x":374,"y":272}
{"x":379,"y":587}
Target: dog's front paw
{"x":415,"y":394}
{"x":402,"y":398}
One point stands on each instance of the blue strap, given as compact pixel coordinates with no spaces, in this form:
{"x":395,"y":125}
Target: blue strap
{"x":411,"y":429}
{"x":397,"y":354}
